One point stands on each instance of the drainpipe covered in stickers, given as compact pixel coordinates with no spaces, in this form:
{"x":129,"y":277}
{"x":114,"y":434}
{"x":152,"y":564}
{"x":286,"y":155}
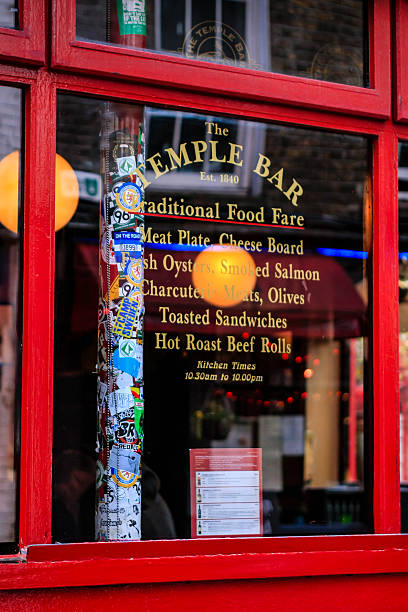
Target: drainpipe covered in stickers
{"x":120,"y":328}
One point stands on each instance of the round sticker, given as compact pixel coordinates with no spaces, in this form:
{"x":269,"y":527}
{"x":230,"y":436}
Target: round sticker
{"x":134,"y":270}
{"x":129,"y":198}
{"x":123,"y":478}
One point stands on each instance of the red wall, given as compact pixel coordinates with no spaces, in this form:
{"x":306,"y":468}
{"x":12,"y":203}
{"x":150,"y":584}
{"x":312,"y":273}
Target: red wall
{"x":352,"y":594}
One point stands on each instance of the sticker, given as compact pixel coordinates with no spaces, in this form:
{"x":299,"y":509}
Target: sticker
{"x":114,"y":290}
{"x":124,"y":479}
{"x":123,"y":145}
{"x":137,"y":392}
{"x":125,"y":380}
{"x":131,"y":365}
{"x":127,"y":289}
{"x":138,"y":417}
{"x":107,"y":241}
{"x":128,"y":241}
{"x":131,"y":17}
{"x":129,"y":197}
{"x":126,"y":435}
{"x":101,"y":391}
{"x":127,"y":347}
{"x":126,"y":318}
{"x":134,"y":270}
{"x":124,"y":460}
{"x":120,"y":401}
{"x":122,"y":219}
{"x":127,"y":246}
{"x":126,"y":165}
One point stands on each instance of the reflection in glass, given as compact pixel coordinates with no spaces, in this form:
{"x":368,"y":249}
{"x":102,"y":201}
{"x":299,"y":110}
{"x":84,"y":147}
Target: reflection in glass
{"x":403,"y":326}
{"x":9,"y":14}
{"x":285,"y":315}
{"x":319,"y":40}
{"x":299,"y":395}
{"x":10,"y":143}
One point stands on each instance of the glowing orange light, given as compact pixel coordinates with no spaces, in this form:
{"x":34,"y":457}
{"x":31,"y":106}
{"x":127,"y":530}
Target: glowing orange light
{"x":224,"y":275}
{"x":66,"y":191}
{"x":308,"y":373}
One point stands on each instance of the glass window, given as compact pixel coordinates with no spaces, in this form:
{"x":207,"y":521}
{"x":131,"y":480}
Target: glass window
{"x":9,"y":14}
{"x":215,"y":272}
{"x":403,"y":326}
{"x":313,"y":39}
{"x":10,"y":337}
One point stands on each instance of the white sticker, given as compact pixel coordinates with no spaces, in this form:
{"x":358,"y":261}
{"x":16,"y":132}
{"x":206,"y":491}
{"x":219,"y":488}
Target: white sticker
{"x":126,"y":165}
{"x":120,"y":401}
{"x":124,"y":380}
{"x":127,"y":347}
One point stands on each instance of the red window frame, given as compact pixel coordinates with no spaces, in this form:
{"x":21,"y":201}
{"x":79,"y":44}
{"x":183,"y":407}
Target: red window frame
{"x":401,"y":59}
{"x":150,"y":67}
{"x":40,"y":563}
{"x":27,"y":44}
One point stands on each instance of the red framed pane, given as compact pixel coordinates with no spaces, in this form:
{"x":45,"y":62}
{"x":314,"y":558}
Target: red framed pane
{"x":27,"y":44}
{"x":38,"y":307}
{"x":401,"y":58}
{"x":150,"y":67}
{"x":36,"y":441}
{"x":35,"y":481}
{"x":289,"y":557}
{"x":385,"y":335}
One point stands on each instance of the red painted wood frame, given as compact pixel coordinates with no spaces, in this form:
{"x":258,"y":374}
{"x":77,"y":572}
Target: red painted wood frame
{"x":51,"y":565}
{"x":150,"y":67}
{"x":41,"y":564}
{"x":400,"y":105}
{"x":27,"y":44}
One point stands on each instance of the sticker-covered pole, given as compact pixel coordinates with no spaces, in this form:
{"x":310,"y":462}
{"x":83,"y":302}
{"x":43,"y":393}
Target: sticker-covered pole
{"x":127,"y":25}
{"x":120,"y":330}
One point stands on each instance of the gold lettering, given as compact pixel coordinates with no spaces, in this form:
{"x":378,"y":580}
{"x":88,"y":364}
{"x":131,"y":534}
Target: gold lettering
{"x":177,"y":158}
{"x":200,"y":146}
{"x":262,"y":166}
{"x":235,"y":150}
{"x":156,"y":165}
{"x":295,"y":190}
{"x":278,"y":177}
{"x":213,"y":157}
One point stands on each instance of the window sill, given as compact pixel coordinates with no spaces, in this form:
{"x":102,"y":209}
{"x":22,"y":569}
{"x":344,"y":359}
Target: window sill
{"x":92,"y":564}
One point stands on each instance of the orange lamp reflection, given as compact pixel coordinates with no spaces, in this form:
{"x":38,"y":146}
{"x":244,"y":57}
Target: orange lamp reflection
{"x":66,"y":191}
{"x":224,"y":275}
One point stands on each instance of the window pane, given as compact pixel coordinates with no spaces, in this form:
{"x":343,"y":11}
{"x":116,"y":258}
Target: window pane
{"x":403,"y":326}
{"x":229,"y":306}
{"x":10,"y":142}
{"x":9,"y":14}
{"x":318,"y":39}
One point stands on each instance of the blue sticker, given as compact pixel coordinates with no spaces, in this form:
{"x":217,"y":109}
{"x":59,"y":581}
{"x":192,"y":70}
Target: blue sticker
{"x":130,"y":365}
